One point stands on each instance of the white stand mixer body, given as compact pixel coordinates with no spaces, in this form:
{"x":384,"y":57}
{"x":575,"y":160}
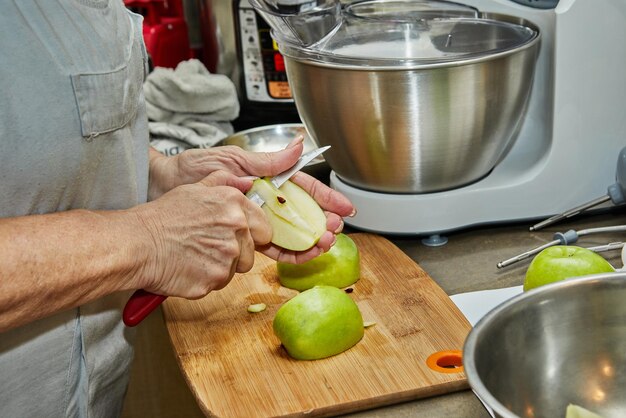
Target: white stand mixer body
{"x":566,"y":151}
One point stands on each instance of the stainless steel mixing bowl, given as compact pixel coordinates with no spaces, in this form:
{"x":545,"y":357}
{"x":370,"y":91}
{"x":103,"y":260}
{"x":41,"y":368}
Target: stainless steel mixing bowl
{"x":414,"y":107}
{"x":555,"y":345}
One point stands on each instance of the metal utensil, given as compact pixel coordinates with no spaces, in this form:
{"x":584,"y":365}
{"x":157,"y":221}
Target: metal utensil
{"x":281,"y":178}
{"x":567,"y":238}
{"x":142,"y":302}
{"x":616,"y":192}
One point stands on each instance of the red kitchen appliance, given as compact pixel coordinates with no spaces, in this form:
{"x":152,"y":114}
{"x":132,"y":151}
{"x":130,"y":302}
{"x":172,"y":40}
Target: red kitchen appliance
{"x":165,"y":30}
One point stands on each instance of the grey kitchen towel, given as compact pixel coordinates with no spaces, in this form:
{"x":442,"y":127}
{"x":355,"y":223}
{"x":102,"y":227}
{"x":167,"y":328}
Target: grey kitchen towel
{"x":188,"y":107}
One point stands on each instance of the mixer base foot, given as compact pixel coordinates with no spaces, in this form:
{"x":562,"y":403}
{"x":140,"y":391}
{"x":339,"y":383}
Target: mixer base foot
{"x":435,"y":240}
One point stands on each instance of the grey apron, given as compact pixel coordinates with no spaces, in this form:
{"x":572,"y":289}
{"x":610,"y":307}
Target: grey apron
{"x":73,"y":134}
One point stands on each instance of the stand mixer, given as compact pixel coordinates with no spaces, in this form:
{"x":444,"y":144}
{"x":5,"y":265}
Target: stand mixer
{"x":551,"y":149}
{"x":566,"y":148}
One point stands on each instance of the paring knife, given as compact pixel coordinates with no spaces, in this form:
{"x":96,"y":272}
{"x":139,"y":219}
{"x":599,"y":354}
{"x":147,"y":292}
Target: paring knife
{"x":142,"y":303}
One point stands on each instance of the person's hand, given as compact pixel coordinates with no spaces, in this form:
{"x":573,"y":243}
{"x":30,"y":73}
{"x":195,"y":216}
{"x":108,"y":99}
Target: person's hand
{"x":193,"y":165}
{"x":203,"y":233}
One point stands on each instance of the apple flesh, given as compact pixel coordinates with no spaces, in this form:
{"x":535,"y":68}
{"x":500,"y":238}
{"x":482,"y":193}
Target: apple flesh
{"x":562,"y":261}
{"x":318,"y":323}
{"x":297,"y":220}
{"x":575,"y":411}
{"x":339,"y":267}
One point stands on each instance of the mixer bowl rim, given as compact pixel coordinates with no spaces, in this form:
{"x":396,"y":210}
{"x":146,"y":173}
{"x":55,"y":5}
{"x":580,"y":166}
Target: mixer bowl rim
{"x":266,"y":128}
{"x":258,"y":5}
{"x":350,"y":8}
{"x":535,"y":295}
{"x":320,"y":59}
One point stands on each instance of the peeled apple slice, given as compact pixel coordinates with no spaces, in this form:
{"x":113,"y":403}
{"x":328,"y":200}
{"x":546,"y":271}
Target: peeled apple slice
{"x":297,"y":220}
{"x":575,"y":411}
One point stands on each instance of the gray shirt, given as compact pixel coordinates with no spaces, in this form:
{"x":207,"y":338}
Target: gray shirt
{"x":73,"y":134}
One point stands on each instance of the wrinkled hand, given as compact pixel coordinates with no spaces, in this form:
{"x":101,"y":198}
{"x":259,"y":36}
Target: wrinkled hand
{"x":203,"y":234}
{"x":195,"y":164}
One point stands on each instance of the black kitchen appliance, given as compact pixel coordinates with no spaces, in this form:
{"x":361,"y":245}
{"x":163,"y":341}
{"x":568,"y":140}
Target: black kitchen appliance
{"x":237,"y":42}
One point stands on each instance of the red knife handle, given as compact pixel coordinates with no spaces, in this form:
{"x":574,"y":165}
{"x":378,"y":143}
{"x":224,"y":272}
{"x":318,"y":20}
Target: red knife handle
{"x":139,"y":306}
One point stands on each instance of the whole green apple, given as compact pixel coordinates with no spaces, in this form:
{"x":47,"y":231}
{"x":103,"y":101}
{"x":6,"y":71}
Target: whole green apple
{"x":339,"y":267}
{"x":317,"y":323}
{"x":562,"y":261}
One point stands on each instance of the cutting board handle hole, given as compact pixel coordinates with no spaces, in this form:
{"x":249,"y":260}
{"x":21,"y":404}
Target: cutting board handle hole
{"x":447,"y":361}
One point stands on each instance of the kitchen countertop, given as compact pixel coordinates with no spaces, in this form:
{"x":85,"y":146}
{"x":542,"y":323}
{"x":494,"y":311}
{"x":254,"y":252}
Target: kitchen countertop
{"x":466,"y":263}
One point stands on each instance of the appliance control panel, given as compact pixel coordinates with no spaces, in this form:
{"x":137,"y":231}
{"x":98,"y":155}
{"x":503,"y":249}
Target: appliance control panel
{"x":265,"y":78}
{"x":538,"y":4}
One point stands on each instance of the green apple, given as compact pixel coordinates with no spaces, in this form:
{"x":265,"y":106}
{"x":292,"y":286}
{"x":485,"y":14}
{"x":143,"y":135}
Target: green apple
{"x":297,"y":220}
{"x":562,"y":261}
{"x":317,"y":323}
{"x":339,"y":267}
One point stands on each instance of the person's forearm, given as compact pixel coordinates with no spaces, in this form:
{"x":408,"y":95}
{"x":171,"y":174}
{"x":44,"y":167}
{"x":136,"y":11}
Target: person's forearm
{"x":49,"y":263}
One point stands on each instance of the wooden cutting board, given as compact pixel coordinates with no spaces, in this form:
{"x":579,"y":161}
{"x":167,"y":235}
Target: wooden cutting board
{"x":235,"y":366}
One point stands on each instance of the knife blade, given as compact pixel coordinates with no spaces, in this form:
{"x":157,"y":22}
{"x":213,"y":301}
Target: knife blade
{"x":281,"y":178}
{"x":142,"y":302}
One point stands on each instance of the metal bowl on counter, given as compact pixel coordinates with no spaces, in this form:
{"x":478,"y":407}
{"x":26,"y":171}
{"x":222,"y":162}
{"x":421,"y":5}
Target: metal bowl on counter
{"x":276,"y":137}
{"x":413,"y":105}
{"x":559,"y":344}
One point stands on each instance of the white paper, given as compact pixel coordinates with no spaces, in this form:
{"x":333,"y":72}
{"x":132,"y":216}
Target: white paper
{"x":475,"y":305}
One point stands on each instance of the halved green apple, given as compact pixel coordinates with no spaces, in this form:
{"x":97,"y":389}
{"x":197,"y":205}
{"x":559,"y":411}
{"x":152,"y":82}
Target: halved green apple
{"x":318,"y":323}
{"x":339,"y":267}
{"x":297,"y":220}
